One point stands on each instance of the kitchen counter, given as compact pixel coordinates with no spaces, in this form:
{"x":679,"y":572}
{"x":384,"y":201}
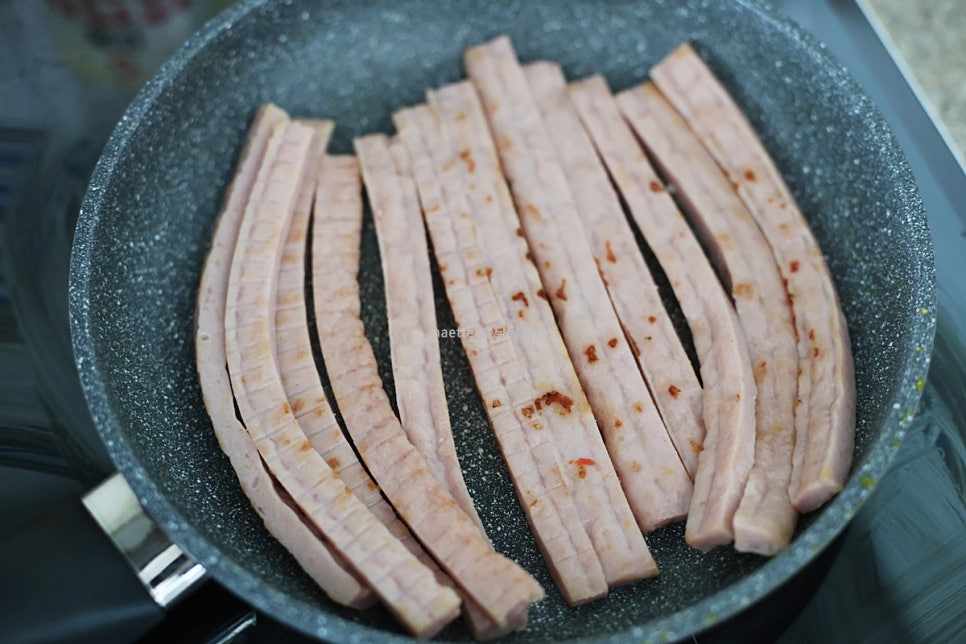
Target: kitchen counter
{"x":930,"y":35}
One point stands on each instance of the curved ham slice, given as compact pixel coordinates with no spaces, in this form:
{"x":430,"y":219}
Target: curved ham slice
{"x":660,"y":354}
{"x":281,"y":520}
{"x":498,"y":586}
{"x":825,"y":419}
{"x":407,"y":587}
{"x":506,"y":388}
{"x":729,"y":387}
{"x":748,"y":267}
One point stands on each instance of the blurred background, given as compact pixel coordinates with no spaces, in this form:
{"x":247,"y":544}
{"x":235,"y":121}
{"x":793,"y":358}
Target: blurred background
{"x":68,"y":68}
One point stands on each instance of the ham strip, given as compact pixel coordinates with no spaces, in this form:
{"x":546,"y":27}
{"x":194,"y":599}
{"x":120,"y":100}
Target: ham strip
{"x":498,"y":367}
{"x":654,"y":479}
{"x":729,"y":388}
{"x":281,"y":520}
{"x":300,"y":375}
{"x":748,"y":267}
{"x":498,"y":586}
{"x":414,"y":346}
{"x":660,"y":354}
{"x":825,"y":419}
{"x":561,"y":405}
{"x":407,"y":587}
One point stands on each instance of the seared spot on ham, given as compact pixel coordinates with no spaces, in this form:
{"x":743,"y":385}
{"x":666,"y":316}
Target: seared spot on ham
{"x":750,"y":175}
{"x":744,"y":290}
{"x":696,"y":447}
{"x":610,"y":253}
{"x":527,"y":411}
{"x":556,"y":398}
{"x":793,"y":266}
{"x":520,"y":296}
{"x":591,"y":353}
{"x":654,"y":185}
{"x":496,"y":403}
{"x":542,"y":294}
{"x":612,"y":343}
{"x":618,"y":423}
{"x":562,"y":289}
{"x":467,"y":158}
{"x":674,"y":391}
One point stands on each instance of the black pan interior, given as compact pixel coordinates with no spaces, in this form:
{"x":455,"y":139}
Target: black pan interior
{"x":149,"y":213}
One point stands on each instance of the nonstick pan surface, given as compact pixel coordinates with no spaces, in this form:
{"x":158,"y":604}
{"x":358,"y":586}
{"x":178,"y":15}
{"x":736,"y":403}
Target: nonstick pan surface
{"x":148,"y":216}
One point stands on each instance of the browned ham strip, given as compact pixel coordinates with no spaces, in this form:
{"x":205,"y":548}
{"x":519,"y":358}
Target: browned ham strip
{"x":281,"y":520}
{"x":748,"y":267}
{"x":825,"y":419}
{"x":497,"y":585}
{"x":632,"y":290}
{"x":414,"y":345}
{"x":562,"y":407}
{"x":729,"y":388}
{"x":407,"y":587}
{"x":506,"y":388}
{"x":654,"y":479}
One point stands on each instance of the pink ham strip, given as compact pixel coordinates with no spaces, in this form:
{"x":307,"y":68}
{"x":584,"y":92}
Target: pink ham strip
{"x":660,"y":354}
{"x":497,"y":585}
{"x":299,"y":373}
{"x":825,"y":419}
{"x":746,"y":262}
{"x":654,"y":479}
{"x":498,"y":368}
{"x":281,"y":520}
{"x":407,"y":587}
{"x":414,"y":346}
{"x":601,"y":504}
{"x":729,"y":388}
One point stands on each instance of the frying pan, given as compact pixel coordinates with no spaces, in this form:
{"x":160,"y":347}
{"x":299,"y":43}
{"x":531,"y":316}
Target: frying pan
{"x":149,"y":213}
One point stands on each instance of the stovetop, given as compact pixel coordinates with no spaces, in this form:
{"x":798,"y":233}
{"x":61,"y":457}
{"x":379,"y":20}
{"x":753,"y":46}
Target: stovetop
{"x":897,"y":574}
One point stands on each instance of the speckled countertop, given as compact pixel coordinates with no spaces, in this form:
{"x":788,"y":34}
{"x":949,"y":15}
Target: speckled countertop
{"x":931,"y":36}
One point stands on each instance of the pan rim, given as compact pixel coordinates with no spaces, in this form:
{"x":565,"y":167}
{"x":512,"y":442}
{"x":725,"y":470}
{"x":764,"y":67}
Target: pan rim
{"x":306,"y":617}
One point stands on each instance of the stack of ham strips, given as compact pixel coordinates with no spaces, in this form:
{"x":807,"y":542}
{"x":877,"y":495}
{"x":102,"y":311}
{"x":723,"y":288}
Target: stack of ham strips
{"x":522,"y":182}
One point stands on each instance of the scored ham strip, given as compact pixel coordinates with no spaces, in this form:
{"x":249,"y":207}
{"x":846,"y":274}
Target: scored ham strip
{"x":660,"y":354}
{"x":654,"y":479}
{"x":497,"y":585}
{"x":414,"y":348}
{"x":825,"y":419}
{"x":498,"y":367}
{"x":414,"y":345}
{"x":300,"y":375}
{"x":281,"y":520}
{"x":748,"y":267}
{"x":563,"y":408}
{"x":729,"y":388}
{"x":407,"y":587}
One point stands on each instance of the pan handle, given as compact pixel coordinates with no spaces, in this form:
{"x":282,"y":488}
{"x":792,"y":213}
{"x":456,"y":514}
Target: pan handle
{"x":96,"y":569}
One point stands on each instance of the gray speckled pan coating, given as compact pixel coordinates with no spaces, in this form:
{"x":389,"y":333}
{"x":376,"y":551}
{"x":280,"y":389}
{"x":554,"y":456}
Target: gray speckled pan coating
{"x":148,"y":216}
